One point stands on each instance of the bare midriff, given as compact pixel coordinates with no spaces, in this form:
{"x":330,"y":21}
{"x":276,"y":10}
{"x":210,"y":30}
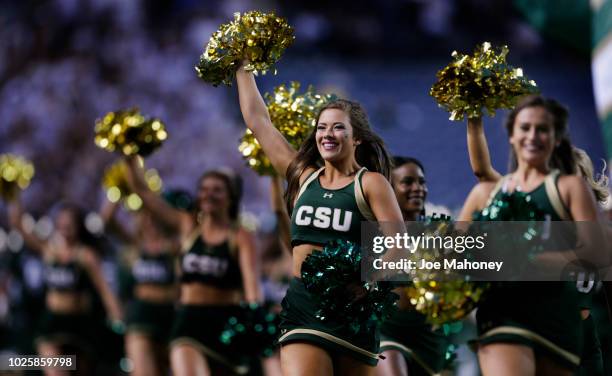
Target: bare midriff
{"x":196,"y":293}
{"x":300,"y":253}
{"x":155,"y":293}
{"x":68,"y":302}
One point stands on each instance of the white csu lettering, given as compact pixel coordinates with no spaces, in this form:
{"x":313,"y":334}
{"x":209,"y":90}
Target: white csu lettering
{"x":324,"y":217}
{"x":204,"y":264}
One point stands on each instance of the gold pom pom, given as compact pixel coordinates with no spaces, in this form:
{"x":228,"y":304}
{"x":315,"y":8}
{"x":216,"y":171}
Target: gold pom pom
{"x":293,"y":114}
{"x":129,"y":132}
{"x":117,"y":188}
{"x":481,"y":82}
{"x":445,"y":301}
{"x":436,"y":293}
{"x":15,"y":174}
{"x":260,"y":38}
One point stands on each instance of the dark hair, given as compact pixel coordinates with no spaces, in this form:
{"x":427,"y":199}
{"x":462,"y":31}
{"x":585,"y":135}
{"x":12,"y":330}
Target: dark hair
{"x":78,"y":216}
{"x":233,"y":183}
{"x":400,"y":161}
{"x":562,"y":157}
{"x":370,"y":153}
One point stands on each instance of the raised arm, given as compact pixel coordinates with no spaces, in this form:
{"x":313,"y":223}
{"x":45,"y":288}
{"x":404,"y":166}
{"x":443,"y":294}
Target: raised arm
{"x":280,"y":210}
{"x":107,"y":213}
{"x":16,"y":212}
{"x":181,"y":221}
{"x":480,"y":160}
{"x":250,"y":266}
{"x":257,"y":119}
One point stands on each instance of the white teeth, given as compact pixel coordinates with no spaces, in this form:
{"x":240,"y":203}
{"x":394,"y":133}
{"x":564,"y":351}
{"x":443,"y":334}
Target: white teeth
{"x":329,"y":145}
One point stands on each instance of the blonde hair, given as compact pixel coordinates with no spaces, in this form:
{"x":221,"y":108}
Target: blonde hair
{"x":599,"y":183}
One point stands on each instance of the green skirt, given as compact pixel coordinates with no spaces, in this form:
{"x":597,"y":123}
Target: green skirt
{"x":73,"y":329}
{"x":544,"y":316}
{"x":152,"y":319}
{"x":423,"y":348}
{"x":200,"y":326}
{"x":299,"y":324}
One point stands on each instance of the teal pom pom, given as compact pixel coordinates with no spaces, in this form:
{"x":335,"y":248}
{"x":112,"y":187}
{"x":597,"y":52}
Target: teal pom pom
{"x":332,"y":274}
{"x":253,"y":332}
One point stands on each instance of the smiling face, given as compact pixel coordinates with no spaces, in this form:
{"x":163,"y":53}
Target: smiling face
{"x":334,"y":135}
{"x":410,"y":189}
{"x":533,"y":136}
{"x":213,"y":195}
{"x":67,"y":226}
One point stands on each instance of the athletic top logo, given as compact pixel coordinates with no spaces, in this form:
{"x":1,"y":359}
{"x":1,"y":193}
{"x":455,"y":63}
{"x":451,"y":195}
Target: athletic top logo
{"x":328,"y":195}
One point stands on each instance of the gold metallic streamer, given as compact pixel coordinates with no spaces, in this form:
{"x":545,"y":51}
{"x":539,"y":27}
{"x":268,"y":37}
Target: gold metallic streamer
{"x":260,"y":38}
{"x":434,"y":293}
{"x":15,"y":174}
{"x":129,"y":132}
{"x":482,"y":82}
{"x":293,"y":114}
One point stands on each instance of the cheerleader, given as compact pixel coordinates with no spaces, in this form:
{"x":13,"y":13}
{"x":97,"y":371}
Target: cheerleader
{"x":153,"y":292}
{"x":533,"y":328}
{"x":330,"y":192}
{"x":72,"y":273}
{"x":219,"y":269}
{"x":591,"y":362}
{"x":410,"y":345}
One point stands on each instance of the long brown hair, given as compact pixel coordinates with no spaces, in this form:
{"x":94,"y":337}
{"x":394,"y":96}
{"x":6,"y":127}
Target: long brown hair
{"x":370,"y":153}
{"x":562,"y":157}
{"x":233,"y":184}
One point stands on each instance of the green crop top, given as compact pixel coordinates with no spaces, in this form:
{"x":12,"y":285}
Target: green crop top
{"x":321,"y":215}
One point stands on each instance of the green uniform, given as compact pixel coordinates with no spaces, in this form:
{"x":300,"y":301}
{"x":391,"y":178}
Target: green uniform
{"x":423,"y":347}
{"x":321,"y":215}
{"x":200,"y":326}
{"x":544,"y":316}
{"x":64,"y":327}
{"x":152,"y":319}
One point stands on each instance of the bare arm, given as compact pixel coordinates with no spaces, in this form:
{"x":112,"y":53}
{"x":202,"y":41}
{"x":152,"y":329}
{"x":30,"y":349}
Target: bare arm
{"x":278,"y":206}
{"x":93,"y":266}
{"x":381,"y":198}
{"x":475,"y":201}
{"x":107,"y":213}
{"x":582,"y":206}
{"x":250,"y":267}
{"x":480,"y":160}
{"x":16,"y":213}
{"x":257,"y":119}
{"x":177,"y":219}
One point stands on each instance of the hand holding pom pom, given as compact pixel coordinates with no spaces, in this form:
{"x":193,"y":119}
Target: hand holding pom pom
{"x":441,"y":297}
{"x":480,"y":82}
{"x":129,"y":132}
{"x":15,"y":174}
{"x":333,"y":277}
{"x":260,"y":38}
{"x":117,"y":187}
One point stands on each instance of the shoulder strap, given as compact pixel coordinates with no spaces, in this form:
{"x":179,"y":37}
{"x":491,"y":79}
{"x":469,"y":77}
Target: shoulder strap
{"x":362,"y":204}
{"x":187,"y":243}
{"x":552,"y":191}
{"x":498,"y":187}
{"x":307,"y":182}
